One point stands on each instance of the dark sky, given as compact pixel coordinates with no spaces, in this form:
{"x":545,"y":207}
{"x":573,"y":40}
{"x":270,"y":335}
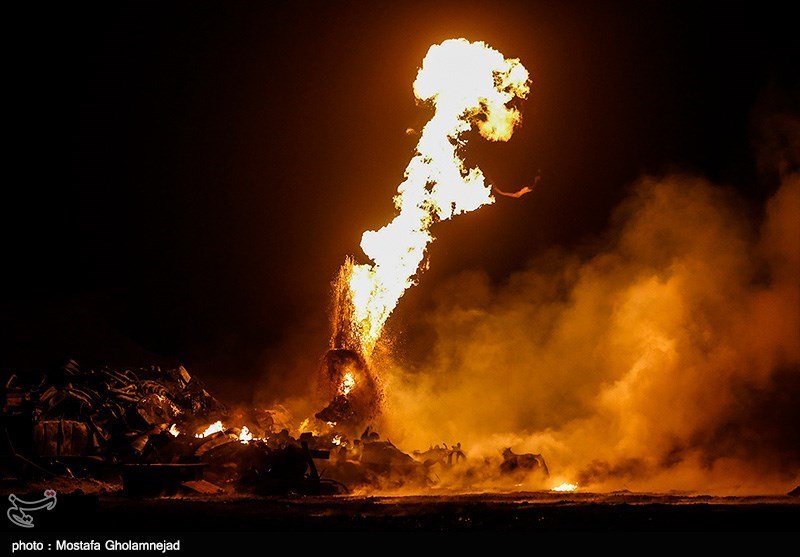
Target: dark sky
{"x":184,"y":178}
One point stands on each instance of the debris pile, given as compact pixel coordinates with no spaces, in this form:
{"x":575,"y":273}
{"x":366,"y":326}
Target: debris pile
{"x":353,"y":391}
{"x":521,"y":464}
{"x":154,"y":431}
{"x":136,"y":426}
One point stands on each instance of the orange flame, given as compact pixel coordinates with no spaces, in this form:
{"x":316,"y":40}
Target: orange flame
{"x":467,"y":83}
{"x":173,"y":430}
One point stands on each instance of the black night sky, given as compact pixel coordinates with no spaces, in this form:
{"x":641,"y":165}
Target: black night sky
{"x":184,"y":179}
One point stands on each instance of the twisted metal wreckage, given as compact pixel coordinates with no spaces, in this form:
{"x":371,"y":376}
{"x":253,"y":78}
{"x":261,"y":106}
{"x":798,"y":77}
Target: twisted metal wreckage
{"x":132,"y":427}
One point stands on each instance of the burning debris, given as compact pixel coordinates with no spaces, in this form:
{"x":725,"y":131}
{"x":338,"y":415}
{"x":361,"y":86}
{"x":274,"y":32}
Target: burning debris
{"x":352,"y":389}
{"x":134,"y":424}
{"x":105,"y":413}
{"x":165,"y":434}
{"x":158,"y":431}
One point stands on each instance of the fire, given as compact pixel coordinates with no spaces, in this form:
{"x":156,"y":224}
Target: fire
{"x":467,"y":83}
{"x":337,"y":440}
{"x":348,"y":382}
{"x":565,"y":487}
{"x":213,"y":428}
{"x":173,"y":430}
{"x":245,"y":436}
{"x":309,"y":426}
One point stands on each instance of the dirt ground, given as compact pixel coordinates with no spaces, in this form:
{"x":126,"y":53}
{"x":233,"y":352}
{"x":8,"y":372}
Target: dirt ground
{"x":507,"y":512}
{"x":465,"y":524}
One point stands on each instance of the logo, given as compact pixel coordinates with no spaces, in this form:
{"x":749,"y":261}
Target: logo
{"x":16,"y":512}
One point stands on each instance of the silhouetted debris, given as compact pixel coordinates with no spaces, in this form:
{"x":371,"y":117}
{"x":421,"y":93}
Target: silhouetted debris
{"x":370,"y":461}
{"x":795,"y":492}
{"x":142,"y":428}
{"x":135,"y":422}
{"x":442,"y":455}
{"x":289,"y":469}
{"x":61,"y":438}
{"x":353,"y":391}
{"x":106,"y":412}
{"x":514,"y":463}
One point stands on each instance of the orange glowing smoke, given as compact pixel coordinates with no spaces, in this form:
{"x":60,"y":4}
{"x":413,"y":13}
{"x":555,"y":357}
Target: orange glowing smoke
{"x":467,"y":83}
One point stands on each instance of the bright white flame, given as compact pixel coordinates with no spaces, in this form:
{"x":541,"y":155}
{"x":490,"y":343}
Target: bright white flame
{"x":245,"y":436}
{"x":173,"y":430}
{"x":565,"y":487}
{"x":337,"y":440}
{"x":213,"y":428}
{"x":348,"y":382}
{"x":467,"y":83}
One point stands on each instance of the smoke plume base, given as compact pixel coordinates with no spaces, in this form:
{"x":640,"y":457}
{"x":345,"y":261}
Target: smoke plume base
{"x":667,"y":360}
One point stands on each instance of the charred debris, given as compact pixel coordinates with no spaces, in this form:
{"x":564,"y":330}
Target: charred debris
{"x":141,"y":432}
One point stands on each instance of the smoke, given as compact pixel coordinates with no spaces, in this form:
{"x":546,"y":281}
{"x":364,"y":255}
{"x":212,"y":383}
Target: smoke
{"x":666,"y":357}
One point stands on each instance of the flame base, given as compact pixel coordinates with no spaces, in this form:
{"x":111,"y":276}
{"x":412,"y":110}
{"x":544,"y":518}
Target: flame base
{"x":356,"y":406}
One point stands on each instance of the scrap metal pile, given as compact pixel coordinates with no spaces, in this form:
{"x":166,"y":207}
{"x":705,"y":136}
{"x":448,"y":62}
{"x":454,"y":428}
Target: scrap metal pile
{"x":126,"y":425}
{"x":147,"y":428}
{"x":154,"y":431}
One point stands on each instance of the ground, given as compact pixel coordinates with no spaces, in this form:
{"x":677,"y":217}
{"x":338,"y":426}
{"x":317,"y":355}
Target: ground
{"x":97,"y":513}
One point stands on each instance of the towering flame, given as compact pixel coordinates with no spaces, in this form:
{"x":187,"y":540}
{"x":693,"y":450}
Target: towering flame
{"x":467,"y":83}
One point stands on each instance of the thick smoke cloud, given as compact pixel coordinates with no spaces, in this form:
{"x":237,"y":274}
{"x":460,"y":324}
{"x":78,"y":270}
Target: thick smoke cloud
{"x":665,"y":357}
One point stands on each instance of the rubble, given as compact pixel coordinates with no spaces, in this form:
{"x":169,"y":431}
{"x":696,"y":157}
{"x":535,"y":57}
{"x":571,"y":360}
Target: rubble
{"x":443,"y":455}
{"x":155,"y":432}
{"x":514,"y":463}
{"x":352,"y":389}
{"x":370,"y":461}
{"x":106,"y":413}
{"x":132,"y":423}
